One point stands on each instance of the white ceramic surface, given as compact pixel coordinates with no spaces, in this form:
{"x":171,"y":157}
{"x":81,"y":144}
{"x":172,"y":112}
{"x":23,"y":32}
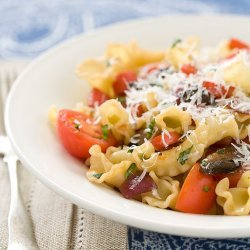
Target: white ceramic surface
{"x":51,"y":79}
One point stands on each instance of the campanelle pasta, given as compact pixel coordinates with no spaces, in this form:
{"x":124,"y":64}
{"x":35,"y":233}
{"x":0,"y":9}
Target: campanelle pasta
{"x":235,"y":201}
{"x":170,"y":129}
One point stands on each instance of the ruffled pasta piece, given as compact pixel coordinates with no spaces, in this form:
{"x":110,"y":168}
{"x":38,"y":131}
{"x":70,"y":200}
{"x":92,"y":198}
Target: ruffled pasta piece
{"x":101,"y":73}
{"x":242,"y":117}
{"x":140,"y":123}
{"x":151,"y":100}
{"x":118,"y":154}
{"x":115,"y":116}
{"x":144,"y":155}
{"x":102,"y":170}
{"x":235,"y":201}
{"x":166,"y":193}
{"x":112,"y":166}
{"x":243,"y":121}
{"x":52,"y":115}
{"x":238,"y":72}
{"x":173,"y":119}
{"x":183,"y":52}
{"x":243,"y":131}
{"x":223,"y":49}
{"x":181,"y":158}
{"x":131,"y":56}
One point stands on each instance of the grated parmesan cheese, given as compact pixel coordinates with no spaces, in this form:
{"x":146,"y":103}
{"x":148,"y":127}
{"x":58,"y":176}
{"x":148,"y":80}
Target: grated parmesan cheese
{"x":136,"y":181}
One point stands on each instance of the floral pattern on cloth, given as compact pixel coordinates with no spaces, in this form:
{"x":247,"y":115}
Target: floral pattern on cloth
{"x":142,"y":239}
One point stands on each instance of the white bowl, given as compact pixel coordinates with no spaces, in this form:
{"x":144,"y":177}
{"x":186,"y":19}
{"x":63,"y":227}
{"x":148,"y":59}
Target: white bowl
{"x":51,"y":80}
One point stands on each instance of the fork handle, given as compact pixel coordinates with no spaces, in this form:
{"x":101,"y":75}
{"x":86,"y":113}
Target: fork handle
{"x":20,"y":225}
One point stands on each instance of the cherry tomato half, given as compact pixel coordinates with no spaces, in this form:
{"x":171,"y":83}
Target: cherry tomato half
{"x":235,"y":43}
{"x":78,"y":133}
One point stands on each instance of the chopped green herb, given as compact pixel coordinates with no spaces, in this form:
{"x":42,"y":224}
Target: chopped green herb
{"x":130,"y":170}
{"x":156,"y":84}
{"x":130,"y":150}
{"x":221,"y":151}
{"x":183,"y":156}
{"x":108,"y":64}
{"x":98,"y":175}
{"x":122,"y":99}
{"x":204,"y":163}
{"x":140,"y":155}
{"x":77,"y":126}
{"x":206,"y":188}
{"x":150,"y":129}
{"x":175,"y":43}
{"x":105,"y":131}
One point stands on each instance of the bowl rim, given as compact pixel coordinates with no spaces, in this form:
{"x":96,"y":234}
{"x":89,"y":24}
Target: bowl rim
{"x":231,"y":231}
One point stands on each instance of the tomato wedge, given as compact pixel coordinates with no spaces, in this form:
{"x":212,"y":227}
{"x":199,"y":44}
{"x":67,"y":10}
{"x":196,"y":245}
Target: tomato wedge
{"x":122,"y":80}
{"x":188,"y":69}
{"x":218,"y":90}
{"x":197,"y":195}
{"x":233,"y":177}
{"x":78,"y":133}
{"x":169,"y":139}
{"x":235,"y":43}
{"x":97,"y":97}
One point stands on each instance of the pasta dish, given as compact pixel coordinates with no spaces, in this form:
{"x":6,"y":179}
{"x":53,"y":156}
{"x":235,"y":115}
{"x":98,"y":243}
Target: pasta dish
{"x":167,"y":128}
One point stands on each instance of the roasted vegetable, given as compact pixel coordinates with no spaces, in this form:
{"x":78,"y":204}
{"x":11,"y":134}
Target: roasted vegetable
{"x":221,"y":161}
{"x":136,"y":184}
{"x":192,"y":93}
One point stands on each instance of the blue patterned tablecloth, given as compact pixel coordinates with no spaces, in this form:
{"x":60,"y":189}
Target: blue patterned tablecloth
{"x":29,"y":27}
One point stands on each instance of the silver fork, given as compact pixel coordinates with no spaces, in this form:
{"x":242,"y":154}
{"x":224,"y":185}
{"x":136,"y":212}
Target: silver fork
{"x":19,"y":223}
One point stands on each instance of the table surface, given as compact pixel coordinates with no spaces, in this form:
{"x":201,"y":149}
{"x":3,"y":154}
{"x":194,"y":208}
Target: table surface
{"x":42,"y":24}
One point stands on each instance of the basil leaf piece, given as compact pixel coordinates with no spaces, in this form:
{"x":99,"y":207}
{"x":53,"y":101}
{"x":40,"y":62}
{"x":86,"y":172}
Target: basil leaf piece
{"x":150,"y":129}
{"x":130,"y":170}
{"x":204,"y":162}
{"x":77,"y":126}
{"x":206,"y":188}
{"x":108,"y":63}
{"x":176,"y":42}
{"x":105,"y":131}
{"x":121,"y":99}
{"x":183,"y":156}
{"x":130,"y":150}
{"x":98,"y":175}
{"x":221,"y":151}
